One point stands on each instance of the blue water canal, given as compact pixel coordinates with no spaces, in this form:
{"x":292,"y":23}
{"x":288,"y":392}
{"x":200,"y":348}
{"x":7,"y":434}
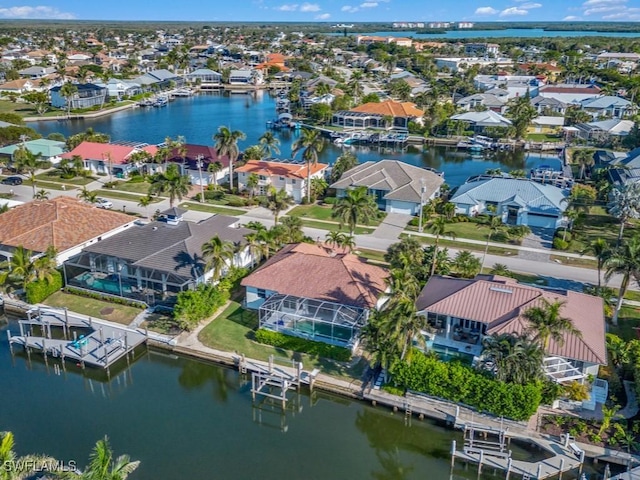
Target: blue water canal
{"x":198,"y":118}
{"x":506,"y":33}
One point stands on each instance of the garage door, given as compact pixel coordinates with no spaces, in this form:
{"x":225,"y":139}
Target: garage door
{"x":542,"y":221}
{"x":398,"y":209}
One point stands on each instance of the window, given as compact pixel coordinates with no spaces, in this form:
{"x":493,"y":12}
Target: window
{"x":293,"y":182}
{"x":262,"y":177}
{"x":281,"y":179}
{"x":262,"y":293}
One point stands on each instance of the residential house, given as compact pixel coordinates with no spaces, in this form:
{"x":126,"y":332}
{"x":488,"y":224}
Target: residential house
{"x":245,"y":77}
{"x":88,"y":95}
{"x":119,"y":89}
{"x":49,"y":150}
{"x":570,"y":93}
{"x":20,"y":86}
{"x":160,"y":80}
{"x":604,"y":130}
{"x":36,"y":72}
{"x":154,"y":262}
{"x":461,"y":312}
{"x":190,"y":155}
{"x":481,"y":49}
{"x":517,"y":201}
{"x":65,"y":223}
{"x":205,"y":77}
{"x":478,"y":121}
{"x":608,"y":106}
{"x":377,"y":114}
{"x":547,"y":124}
{"x":483,"y":100}
{"x":292,"y":177}
{"x":396,"y":186}
{"x":514,"y":85}
{"x":545,"y":105}
{"x":456,"y":64}
{"x":331,"y":304}
{"x":108,"y":158}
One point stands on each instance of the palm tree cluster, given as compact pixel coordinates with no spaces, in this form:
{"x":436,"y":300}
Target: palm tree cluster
{"x":171,"y":183}
{"x":277,"y":201}
{"x":263,"y":242}
{"x":310,"y":144}
{"x":513,"y":358}
{"x":340,"y":240}
{"x":357,"y":206}
{"x":25,"y":267}
{"x":226,"y":143}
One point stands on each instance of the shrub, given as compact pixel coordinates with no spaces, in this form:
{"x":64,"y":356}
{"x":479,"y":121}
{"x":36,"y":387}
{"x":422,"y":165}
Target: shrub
{"x":112,"y":184}
{"x":213,"y":194}
{"x":296,"y":344}
{"x":135,"y":177}
{"x":40,"y":289}
{"x":460,"y":383}
{"x":330,"y":200}
{"x":236,"y":202}
{"x":192,"y":306}
{"x":560,"y":244}
{"x":106,"y":298}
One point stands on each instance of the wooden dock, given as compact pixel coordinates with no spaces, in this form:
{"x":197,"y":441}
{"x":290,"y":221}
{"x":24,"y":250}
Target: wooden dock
{"x":103,"y":346}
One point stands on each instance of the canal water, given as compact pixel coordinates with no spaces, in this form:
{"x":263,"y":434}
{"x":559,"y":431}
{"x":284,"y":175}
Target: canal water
{"x":184,"y":419}
{"x":197,"y":118}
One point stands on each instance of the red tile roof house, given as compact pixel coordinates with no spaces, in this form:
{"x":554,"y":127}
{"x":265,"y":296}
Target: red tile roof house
{"x":66,"y":223}
{"x":463,"y":311}
{"x":315,"y":292}
{"x":108,"y":158}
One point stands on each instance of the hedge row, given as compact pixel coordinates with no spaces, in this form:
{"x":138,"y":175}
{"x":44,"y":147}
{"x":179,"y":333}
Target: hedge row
{"x":40,"y":289}
{"x":461,"y":384}
{"x":297,"y":344}
{"x":106,"y":298}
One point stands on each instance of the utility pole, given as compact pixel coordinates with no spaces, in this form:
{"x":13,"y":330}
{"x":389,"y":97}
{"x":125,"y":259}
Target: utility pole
{"x":422,"y":189}
{"x":199,"y":164}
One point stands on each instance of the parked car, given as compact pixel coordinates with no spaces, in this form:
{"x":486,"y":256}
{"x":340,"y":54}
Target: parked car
{"x":103,"y":203}
{"x":12,"y":181}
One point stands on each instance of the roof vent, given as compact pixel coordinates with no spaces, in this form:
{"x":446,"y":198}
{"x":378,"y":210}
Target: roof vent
{"x":501,"y":290}
{"x":155,"y":228}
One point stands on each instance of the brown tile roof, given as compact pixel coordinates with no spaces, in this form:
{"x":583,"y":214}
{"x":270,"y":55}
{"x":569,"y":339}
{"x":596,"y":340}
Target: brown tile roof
{"x":570,"y":89}
{"x":62,"y":222}
{"x":500,"y":303}
{"x":316,"y":271}
{"x":279,"y":169}
{"x":391,"y":108}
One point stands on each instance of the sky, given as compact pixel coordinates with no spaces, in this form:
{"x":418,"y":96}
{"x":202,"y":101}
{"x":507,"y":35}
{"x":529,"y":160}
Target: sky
{"x":342,"y":11}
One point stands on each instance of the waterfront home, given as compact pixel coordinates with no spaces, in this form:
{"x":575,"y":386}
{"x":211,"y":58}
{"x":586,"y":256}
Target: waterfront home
{"x":605,"y":130}
{"x":546,"y":124}
{"x":570,"y":93}
{"x":119,"y":89}
{"x":461,"y":312}
{"x":36,"y":72}
{"x":621,"y":167}
{"x":546,"y":105}
{"x":478,"y":121}
{"x":487,"y":101}
{"x":514,"y":85}
{"x":65,"y":223}
{"x":50,"y":150}
{"x":292,"y":177}
{"x":608,"y":106}
{"x":396,"y":186}
{"x":190,"y":156}
{"x":245,"y":77}
{"x":153,"y":262}
{"x":108,"y":158}
{"x":20,"y":86}
{"x":331,"y":304}
{"x":378,"y":114}
{"x":87,"y":96}
{"x":160,"y":80}
{"x":205,"y":77}
{"x":517,"y":201}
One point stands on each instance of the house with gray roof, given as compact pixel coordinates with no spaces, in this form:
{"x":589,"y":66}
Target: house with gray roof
{"x":396,"y":186}
{"x":204,"y":76}
{"x":608,"y":106}
{"x":517,"y":201}
{"x":154,"y":262}
{"x":548,"y":104}
{"x":604,"y":130}
{"x":481,"y":120}
{"x":488,"y":100}
{"x":161,"y":79}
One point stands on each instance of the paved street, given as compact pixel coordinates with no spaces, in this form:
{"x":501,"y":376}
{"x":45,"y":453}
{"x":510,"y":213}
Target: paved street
{"x":549,"y":269}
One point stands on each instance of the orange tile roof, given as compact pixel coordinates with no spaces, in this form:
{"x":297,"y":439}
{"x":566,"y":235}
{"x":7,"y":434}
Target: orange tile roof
{"x":279,"y":169}
{"x":391,"y":108}
{"x":318,"y":272}
{"x":63,"y":222}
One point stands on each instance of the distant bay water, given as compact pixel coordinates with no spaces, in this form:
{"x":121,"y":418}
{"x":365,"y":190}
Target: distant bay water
{"x":197,"y":118}
{"x":507,"y":33}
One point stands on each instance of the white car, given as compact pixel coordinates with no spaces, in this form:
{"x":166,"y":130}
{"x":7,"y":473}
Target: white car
{"x":103,"y":203}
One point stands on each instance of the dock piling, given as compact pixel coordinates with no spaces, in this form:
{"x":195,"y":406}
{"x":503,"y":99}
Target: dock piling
{"x":453,"y":452}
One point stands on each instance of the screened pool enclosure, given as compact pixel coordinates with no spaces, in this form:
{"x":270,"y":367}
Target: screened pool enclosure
{"x":317,"y":320}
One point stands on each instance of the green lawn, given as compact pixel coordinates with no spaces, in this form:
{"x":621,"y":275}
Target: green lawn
{"x":463,"y":246}
{"x":52,"y":176}
{"x":632,"y":295}
{"x":574,"y":262}
{"x":40,"y":184}
{"x":108,"y":193}
{"x":133,"y":187}
{"x":375,"y":256}
{"x":213,"y":209}
{"x":233,"y":331}
{"x":94,"y":308}
{"x":628,"y":322}
{"x":543,"y":137}
{"x":334,"y":227}
{"x":598,"y":224}
{"x":22,"y":109}
{"x":317,"y":212}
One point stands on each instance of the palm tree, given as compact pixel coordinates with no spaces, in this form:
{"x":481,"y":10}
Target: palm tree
{"x":102,"y":465}
{"x":171,"y":183}
{"x":449,"y":210}
{"x":41,"y":195}
{"x":88,"y":196}
{"x":625,"y":261}
{"x":144,"y":202}
{"x":438,"y":227}
{"x":45,"y":265}
{"x":68,"y":91}
{"x":466,"y":264}
{"x":252,"y":183}
{"x":334,"y":238}
{"x":258,"y":244}
{"x":26,"y":161}
{"x":347,"y":242}
{"x":20,"y":267}
{"x":213,"y":168}
{"x":501,"y":269}
{"x":513,"y":359}
{"x":584,"y":158}
{"x":311,"y":144}
{"x":495,"y":225}
{"x":277,"y":201}
{"x":357,"y":206}
{"x":218,"y":254}
{"x":624,"y":204}
{"x":269,"y":145}
{"x":600,"y":249}
{"x":227,"y":144}
{"x":293,"y":226}
{"x":19,"y":468}
{"x":546,"y":323}
{"x":344,"y":162}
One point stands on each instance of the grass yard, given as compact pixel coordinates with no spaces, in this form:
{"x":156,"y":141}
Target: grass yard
{"x":108,"y":193}
{"x":332,"y":227}
{"x":318,"y":212}
{"x":92,"y":307}
{"x":463,"y":246}
{"x":628,"y":323}
{"x":632,"y":295}
{"x":574,"y":262}
{"x":41,"y":184}
{"x":543,"y":137}
{"x":234,"y":328}
{"x":133,"y":187}
{"x":213,"y":209}
{"x":22,"y":109}
{"x":52,"y":176}
{"x":375,"y":256}
{"x":598,"y":224}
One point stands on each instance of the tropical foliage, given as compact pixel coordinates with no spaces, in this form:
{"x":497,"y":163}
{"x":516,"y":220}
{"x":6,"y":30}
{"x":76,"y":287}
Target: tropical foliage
{"x":357,"y":206}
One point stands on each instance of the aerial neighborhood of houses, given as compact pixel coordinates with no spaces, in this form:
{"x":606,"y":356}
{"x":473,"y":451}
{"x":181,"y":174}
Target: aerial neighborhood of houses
{"x":406,"y":201}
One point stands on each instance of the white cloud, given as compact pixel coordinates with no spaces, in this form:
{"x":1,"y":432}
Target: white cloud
{"x":349,"y":9}
{"x":323,"y":16}
{"x":529,"y":6}
{"x":570,"y":18}
{"x":511,"y":11}
{"x":368,"y":4}
{"x":604,"y":9}
{"x":310,"y":7}
{"x":35,"y":12}
{"x":486,"y":11}
{"x":292,"y":7}
{"x":591,"y":3}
